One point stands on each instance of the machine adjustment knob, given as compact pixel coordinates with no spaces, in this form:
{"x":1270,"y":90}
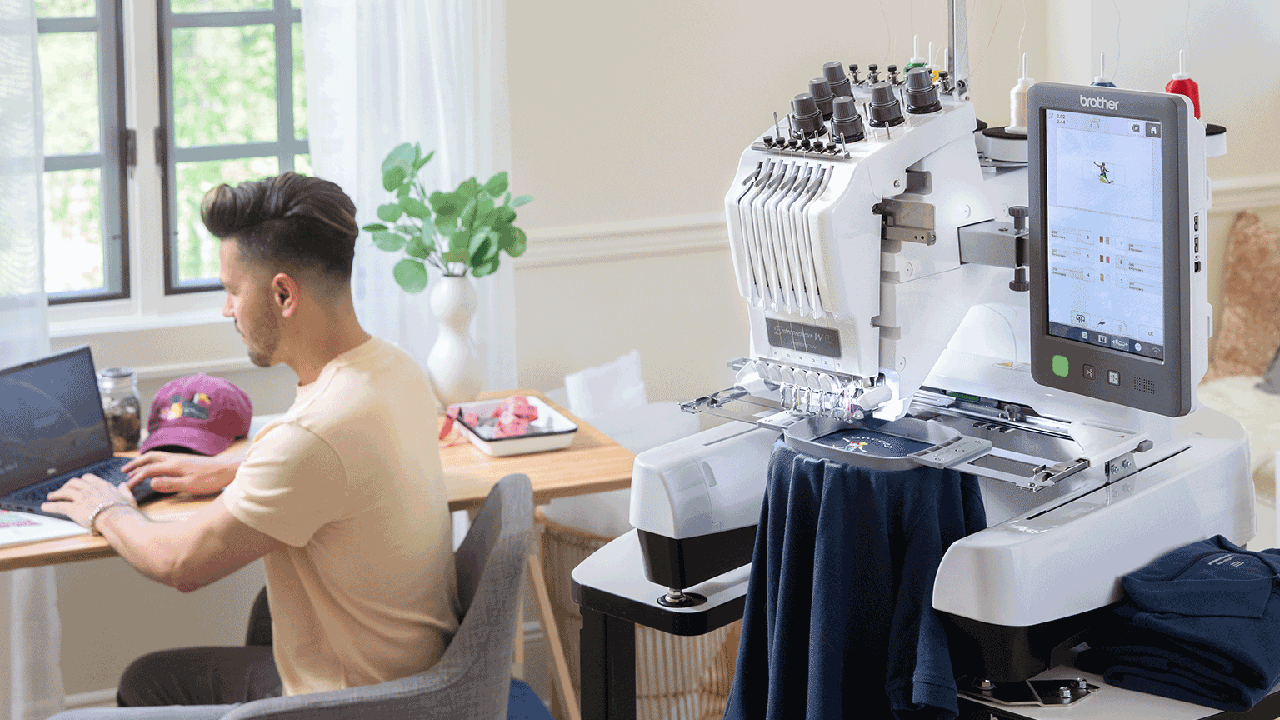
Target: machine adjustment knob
{"x":922,"y":95}
{"x":1020,"y":283}
{"x":833,"y":73}
{"x":873,"y":74}
{"x":846,"y":123}
{"x":853,"y":73}
{"x":821,"y":93}
{"x":808,"y":118}
{"x":1019,"y":213}
{"x":886,"y":111}
{"x":893,"y":74}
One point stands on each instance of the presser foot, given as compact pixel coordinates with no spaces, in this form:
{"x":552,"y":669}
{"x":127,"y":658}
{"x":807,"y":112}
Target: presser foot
{"x":1040,"y":693}
{"x":680,"y":599}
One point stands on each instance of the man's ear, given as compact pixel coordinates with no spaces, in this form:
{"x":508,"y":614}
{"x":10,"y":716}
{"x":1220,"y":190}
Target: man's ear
{"x":284,"y":291}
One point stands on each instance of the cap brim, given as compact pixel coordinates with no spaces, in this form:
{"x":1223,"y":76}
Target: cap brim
{"x":196,"y":439}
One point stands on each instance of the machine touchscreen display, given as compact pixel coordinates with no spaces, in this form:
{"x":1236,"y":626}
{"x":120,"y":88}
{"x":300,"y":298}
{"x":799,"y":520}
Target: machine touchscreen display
{"x":1104,"y":231}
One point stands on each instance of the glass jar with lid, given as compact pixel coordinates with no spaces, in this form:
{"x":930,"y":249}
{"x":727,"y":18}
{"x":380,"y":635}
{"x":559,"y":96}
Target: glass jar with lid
{"x":119,"y":389}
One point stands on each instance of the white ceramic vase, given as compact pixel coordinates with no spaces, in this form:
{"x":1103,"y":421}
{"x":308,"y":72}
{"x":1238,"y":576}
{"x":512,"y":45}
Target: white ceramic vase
{"x":452,"y":363}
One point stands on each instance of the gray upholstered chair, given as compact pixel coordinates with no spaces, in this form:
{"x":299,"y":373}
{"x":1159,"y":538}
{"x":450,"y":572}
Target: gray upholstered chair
{"x":472,"y":680}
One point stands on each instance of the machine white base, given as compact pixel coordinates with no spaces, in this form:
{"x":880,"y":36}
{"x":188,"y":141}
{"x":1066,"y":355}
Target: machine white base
{"x":1067,"y":556}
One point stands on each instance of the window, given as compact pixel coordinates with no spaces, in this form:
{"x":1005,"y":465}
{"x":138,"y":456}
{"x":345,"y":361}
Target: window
{"x":215,"y":86}
{"x":85,"y":222}
{"x":234,"y":105}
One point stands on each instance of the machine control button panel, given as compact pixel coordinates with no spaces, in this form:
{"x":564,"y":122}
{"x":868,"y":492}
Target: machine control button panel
{"x":1087,"y":371}
{"x":1113,"y":377}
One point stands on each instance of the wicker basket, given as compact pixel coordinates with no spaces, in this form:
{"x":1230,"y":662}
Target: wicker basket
{"x":677,"y":678}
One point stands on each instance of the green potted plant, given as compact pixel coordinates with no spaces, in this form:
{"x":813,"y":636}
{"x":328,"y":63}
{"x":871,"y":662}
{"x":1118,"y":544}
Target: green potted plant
{"x":460,"y":233}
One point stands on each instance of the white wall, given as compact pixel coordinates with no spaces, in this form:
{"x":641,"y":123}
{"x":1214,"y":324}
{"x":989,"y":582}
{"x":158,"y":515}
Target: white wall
{"x":627,"y":121}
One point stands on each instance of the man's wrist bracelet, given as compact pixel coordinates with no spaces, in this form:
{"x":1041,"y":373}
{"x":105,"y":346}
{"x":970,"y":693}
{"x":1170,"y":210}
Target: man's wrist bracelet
{"x":93,"y":516}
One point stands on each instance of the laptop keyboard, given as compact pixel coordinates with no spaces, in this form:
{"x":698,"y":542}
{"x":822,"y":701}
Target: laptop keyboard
{"x":108,"y":470}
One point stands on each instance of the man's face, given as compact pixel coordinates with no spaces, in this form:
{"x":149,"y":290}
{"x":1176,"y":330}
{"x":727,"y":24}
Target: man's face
{"x":249,"y":302}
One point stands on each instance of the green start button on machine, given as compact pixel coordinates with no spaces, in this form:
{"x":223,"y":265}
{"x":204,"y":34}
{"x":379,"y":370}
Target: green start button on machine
{"x":1061,"y":367}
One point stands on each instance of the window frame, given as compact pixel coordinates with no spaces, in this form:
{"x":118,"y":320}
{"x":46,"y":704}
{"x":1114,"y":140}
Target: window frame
{"x":116,"y":152}
{"x":283,"y":16}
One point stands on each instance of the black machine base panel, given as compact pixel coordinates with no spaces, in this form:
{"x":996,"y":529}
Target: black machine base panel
{"x":683,"y":563}
{"x":1003,"y":653}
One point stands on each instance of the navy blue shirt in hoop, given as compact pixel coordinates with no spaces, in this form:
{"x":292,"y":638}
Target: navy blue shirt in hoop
{"x":839,"y":619}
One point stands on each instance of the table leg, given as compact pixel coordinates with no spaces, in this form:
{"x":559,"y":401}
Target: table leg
{"x":561,"y":667}
{"x":608,"y":667}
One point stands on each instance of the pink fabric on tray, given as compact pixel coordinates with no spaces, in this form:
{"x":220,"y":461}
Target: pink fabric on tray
{"x":513,"y":417}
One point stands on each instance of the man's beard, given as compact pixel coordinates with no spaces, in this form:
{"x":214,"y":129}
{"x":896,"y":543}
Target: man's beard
{"x":262,"y":345}
{"x":262,"y":358}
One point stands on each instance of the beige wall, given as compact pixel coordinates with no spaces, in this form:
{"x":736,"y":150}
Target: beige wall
{"x":633,"y":115}
{"x":631,"y":118}
{"x":627,"y":123}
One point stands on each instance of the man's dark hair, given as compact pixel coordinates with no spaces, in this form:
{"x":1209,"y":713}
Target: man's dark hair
{"x":288,"y":222}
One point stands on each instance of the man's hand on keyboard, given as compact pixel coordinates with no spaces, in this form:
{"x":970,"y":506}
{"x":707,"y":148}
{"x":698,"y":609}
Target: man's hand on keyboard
{"x":179,"y":472}
{"x":81,"y":496}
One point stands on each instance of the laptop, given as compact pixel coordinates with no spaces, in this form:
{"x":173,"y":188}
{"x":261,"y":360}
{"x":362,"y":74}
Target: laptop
{"x":52,"y":429}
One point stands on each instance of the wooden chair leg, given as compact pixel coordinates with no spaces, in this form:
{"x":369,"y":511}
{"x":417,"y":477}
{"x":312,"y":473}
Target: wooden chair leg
{"x":517,"y":653}
{"x":561,"y":667}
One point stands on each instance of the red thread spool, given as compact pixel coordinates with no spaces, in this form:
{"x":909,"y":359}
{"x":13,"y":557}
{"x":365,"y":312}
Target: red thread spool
{"x":1185,"y":86}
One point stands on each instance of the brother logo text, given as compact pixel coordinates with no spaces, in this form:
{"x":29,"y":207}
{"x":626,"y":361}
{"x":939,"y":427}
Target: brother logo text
{"x":1098,"y":102}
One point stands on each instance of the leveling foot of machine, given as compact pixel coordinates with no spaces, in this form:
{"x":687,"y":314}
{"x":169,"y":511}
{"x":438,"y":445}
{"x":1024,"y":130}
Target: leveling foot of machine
{"x":679,"y":599}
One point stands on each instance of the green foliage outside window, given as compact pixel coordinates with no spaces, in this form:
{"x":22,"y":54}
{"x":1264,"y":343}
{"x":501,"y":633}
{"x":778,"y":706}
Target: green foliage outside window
{"x":224,"y":91}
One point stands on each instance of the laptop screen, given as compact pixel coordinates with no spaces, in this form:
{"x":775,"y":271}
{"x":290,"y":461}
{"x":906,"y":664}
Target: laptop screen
{"x":51,"y":419}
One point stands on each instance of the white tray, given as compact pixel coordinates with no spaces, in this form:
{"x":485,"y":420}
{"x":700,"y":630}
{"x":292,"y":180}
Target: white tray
{"x":551,"y":431}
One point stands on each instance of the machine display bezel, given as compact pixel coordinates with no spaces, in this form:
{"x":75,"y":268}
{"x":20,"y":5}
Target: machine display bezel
{"x":1159,"y":386}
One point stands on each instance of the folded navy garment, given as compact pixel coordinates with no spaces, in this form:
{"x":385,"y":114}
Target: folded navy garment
{"x":1199,"y":624}
{"x":838,"y":620}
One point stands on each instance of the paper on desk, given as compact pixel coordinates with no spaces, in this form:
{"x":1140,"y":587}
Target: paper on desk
{"x":20,"y":527}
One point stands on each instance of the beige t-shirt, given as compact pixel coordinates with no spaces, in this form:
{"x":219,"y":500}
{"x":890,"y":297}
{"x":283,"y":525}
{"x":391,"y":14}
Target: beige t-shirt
{"x":364,"y":589}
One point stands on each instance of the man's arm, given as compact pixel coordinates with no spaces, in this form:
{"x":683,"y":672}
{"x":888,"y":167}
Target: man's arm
{"x":185,"y":555}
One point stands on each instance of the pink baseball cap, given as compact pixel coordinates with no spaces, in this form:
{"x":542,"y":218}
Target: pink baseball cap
{"x":201,"y":413}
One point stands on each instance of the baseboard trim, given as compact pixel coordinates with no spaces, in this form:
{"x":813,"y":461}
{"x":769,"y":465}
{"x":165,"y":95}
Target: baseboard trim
{"x":94,"y":698}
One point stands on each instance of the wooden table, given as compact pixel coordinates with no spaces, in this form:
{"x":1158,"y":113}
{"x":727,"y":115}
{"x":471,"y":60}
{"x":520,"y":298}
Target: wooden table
{"x":592,"y":463}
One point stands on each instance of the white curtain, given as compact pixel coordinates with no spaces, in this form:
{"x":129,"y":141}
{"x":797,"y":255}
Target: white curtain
{"x":30,"y":634}
{"x":384,"y":72}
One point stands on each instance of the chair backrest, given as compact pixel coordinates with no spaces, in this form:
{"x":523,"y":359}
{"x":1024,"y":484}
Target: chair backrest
{"x":505,"y":518}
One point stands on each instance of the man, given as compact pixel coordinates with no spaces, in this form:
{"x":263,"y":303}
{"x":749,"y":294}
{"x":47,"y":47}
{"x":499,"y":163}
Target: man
{"x":343,"y":495}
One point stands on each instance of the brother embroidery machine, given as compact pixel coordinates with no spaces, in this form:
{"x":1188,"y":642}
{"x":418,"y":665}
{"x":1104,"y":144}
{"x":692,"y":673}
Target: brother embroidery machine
{"x":1040,"y":322}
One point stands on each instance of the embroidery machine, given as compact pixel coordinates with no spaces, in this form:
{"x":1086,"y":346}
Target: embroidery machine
{"x":1027,"y":306}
